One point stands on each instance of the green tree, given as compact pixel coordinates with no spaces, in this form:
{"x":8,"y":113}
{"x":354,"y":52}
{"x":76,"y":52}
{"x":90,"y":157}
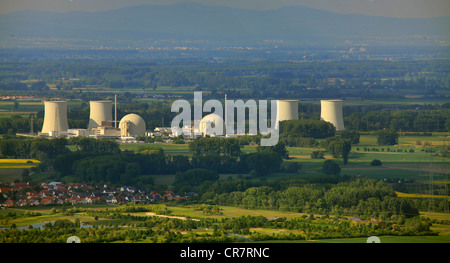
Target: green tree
{"x":331,"y":168}
{"x":279,"y":148}
{"x":25,"y":175}
{"x":387,"y":137}
{"x":338,"y":147}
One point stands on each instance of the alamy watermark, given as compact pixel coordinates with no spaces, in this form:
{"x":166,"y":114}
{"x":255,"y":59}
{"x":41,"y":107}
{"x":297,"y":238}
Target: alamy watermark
{"x":228,"y":126}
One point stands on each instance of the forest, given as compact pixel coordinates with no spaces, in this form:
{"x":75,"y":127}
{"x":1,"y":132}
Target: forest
{"x":366,"y":79}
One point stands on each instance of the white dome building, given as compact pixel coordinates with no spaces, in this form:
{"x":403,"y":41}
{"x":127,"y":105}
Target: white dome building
{"x":132,"y":125}
{"x":212,"y":125}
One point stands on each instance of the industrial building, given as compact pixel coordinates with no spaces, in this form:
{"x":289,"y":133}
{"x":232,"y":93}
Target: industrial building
{"x":287,"y":110}
{"x":101,"y":123}
{"x":212,"y":125}
{"x":55,"y":118}
{"x":331,"y":111}
{"x":100,"y":111}
{"x":132,"y":125}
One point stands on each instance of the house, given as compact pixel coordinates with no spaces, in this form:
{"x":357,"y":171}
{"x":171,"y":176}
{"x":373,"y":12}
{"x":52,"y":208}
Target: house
{"x":118,"y":199}
{"x":58,"y":201}
{"x":48,"y":200}
{"x":34,"y":202}
{"x":9,"y":203}
{"x":21,"y":185}
{"x":55,"y":184}
{"x":139,"y":198}
{"x":5,"y":190}
{"x":72,"y":200}
{"x":22,"y":202}
{"x":45,"y":193}
{"x":128,"y":189}
{"x":73,"y":185}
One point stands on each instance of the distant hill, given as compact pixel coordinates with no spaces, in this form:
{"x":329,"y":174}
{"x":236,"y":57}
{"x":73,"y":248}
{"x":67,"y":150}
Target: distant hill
{"x":189,"y":21}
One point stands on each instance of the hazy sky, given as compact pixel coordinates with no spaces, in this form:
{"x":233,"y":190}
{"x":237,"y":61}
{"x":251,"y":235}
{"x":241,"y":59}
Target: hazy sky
{"x":392,"y":8}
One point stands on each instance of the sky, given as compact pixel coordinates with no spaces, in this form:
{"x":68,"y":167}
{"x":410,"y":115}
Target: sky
{"x":389,"y":8}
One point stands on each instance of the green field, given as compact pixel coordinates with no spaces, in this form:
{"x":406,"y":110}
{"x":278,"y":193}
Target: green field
{"x":49,"y":214}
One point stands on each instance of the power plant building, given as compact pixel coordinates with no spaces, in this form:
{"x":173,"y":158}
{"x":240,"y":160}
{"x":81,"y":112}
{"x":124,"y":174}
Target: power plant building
{"x":55,"y":118}
{"x":287,"y":110}
{"x":101,"y":111}
{"x":331,"y":111}
{"x":132,"y":125}
{"x":212,"y":123}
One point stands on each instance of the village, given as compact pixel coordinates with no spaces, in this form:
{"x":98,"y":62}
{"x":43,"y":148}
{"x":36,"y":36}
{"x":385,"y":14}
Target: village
{"x":20,"y":194}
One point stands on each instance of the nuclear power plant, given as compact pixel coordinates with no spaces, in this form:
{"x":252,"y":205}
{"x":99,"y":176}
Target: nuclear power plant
{"x":212,"y":123}
{"x":101,"y":123}
{"x":55,"y":118}
{"x":132,"y":125}
{"x":101,"y":111}
{"x":287,"y":110}
{"x":331,"y":111}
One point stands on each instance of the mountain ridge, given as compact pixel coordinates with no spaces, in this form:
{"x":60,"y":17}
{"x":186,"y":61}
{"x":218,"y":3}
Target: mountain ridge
{"x":190,"y":21}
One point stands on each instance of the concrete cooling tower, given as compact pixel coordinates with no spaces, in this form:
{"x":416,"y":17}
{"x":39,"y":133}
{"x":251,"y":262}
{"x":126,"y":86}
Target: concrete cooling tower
{"x":287,"y":110}
{"x":331,"y":111}
{"x":55,"y":117}
{"x":132,"y":125}
{"x":100,"y":111}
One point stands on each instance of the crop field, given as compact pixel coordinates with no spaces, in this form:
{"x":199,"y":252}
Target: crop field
{"x":18,"y":163}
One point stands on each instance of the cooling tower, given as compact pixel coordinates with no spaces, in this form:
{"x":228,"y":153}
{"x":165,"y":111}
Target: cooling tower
{"x":331,"y":111}
{"x":132,"y":125}
{"x":287,"y":110}
{"x":55,"y":116}
{"x":100,"y":111}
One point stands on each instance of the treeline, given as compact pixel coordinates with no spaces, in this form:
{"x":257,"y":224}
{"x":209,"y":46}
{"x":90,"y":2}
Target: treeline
{"x":40,"y":148}
{"x":125,"y":168}
{"x":360,"y":197}
{"x":262,"y":76}
{"x":400,"y":120}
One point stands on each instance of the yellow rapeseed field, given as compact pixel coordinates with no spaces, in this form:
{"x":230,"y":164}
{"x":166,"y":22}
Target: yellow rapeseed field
{"x":18,"y":163}
{"x":399,"y":194}
{"x":18,"y":160}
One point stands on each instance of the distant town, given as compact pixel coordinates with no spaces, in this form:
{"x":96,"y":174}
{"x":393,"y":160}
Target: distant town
{"x":57,"y":193}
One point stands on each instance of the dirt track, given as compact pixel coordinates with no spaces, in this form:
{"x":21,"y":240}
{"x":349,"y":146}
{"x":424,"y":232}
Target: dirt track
{"x":434,"y":170}
{"x":177,"y":217}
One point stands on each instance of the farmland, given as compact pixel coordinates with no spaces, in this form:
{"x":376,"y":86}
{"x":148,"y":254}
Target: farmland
{"x":404,"y":165}
{"x":189,"y":221}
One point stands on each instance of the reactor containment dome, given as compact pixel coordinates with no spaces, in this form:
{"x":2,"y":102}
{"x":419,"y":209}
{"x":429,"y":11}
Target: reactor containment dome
{"x":100,"y":111}
{"x":55,"y":117}
{"x":132,"y":125}
{"x":331,"y":111}
{"x":212,"y":125}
